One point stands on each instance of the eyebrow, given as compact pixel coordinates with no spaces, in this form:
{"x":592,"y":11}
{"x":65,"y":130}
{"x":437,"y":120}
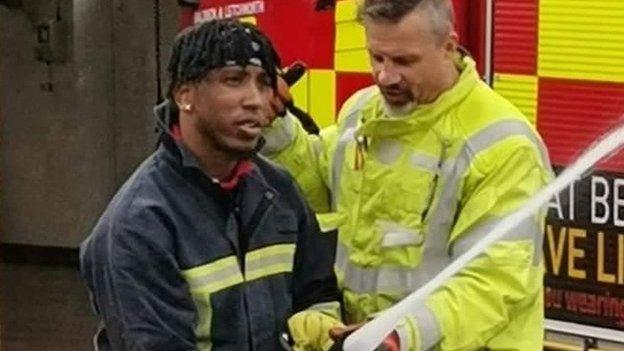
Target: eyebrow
{"x":386,"y":54}
{"x":406,"y":57}
{"x":234,"y":69}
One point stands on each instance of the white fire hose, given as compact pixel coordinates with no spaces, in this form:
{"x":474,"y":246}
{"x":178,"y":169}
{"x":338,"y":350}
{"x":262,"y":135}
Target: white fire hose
{"x":372,"y":334}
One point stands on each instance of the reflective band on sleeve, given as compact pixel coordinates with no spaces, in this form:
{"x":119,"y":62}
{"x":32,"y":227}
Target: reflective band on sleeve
{"x":405,"y":332}
{"x":419,"y":330}
{"x":529,"y":229}
{"x":441,"y":220}
{"x":404,"y":280}
{"x":427,"y":324}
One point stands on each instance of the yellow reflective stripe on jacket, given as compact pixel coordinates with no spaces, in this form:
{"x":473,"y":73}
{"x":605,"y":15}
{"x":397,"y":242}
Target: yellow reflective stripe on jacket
{"x":269,"y":260}
{"x":204,"y":322}
{"x":214,"y":276}
{"x":225,"y":272}
{"x":435,"y":254}
{"x":203,"y":281}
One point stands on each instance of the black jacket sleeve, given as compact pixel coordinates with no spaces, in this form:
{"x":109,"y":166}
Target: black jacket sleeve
{"x":136,"y":285}
{"x":314,"y":280}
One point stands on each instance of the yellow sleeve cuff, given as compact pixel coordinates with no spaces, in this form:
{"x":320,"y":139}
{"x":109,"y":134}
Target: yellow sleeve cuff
{"x":310,"y":330}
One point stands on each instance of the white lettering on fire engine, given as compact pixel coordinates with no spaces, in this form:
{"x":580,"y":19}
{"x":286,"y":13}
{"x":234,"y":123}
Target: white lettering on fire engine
{"x":607,"y":201}
{"x":227,"y":11}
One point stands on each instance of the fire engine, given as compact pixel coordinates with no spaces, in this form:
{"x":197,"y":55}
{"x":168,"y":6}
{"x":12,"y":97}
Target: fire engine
{"x":559,"y":61}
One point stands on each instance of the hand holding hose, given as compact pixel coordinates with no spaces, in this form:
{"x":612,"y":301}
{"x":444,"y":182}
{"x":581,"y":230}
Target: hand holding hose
{"x":339,"y":334}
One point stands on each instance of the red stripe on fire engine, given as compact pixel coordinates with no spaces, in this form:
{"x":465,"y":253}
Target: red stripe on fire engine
{"x":572,"y":114}
{"x":348,"y":83}
{"x":515,"y":36}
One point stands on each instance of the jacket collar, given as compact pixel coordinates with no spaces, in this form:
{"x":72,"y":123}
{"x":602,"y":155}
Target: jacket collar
{"x":187,"y":159}
{"x":377,"y":124}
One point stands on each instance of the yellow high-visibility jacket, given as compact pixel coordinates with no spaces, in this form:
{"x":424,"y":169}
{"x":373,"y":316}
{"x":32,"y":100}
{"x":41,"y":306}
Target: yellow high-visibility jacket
{"x":410,"y":194}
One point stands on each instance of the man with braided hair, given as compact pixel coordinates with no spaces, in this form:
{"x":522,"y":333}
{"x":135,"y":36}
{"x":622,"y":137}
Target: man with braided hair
{"x":208,"y":246}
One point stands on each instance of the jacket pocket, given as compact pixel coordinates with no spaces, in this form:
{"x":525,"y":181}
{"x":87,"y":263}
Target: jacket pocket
{"x":286,"y":223}
{"x":410,"y":193}
{"x":396,"y":235}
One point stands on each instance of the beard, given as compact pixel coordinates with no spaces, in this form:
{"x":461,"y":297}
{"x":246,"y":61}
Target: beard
{"x":393,"y":111}
{"x":398,"y":100}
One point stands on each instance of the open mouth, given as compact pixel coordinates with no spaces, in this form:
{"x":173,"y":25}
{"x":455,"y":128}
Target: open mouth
{"x":249,"y":129}
{"x":395,"y":95}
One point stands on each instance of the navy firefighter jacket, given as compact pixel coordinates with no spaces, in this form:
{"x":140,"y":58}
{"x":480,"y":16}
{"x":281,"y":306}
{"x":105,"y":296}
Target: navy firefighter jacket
{"x":178,"y":263}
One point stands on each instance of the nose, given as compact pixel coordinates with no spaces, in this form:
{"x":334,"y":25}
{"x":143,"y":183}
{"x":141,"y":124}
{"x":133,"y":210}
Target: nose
{"x":254,"y":98}
{"x":386,"y":76}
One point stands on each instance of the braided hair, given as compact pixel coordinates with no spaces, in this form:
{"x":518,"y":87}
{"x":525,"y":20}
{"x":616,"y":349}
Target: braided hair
{"x":215,"y":44}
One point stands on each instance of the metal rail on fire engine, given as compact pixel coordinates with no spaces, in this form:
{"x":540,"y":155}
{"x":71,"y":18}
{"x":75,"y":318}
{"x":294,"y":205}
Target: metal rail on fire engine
{"x":590,"y":338}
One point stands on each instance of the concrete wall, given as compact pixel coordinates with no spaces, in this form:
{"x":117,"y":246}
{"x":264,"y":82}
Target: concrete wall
{"x":64,"y":153}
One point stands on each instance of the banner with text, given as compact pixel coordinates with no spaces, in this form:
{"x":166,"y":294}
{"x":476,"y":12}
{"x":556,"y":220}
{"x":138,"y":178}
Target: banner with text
{"x":584,"y":252}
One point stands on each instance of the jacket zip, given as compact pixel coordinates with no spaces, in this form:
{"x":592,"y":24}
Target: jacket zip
{"x":257,"y":218}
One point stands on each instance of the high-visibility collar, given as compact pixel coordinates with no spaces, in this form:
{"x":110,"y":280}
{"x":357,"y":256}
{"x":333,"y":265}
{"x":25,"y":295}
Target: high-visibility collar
{"x":377,"y":124}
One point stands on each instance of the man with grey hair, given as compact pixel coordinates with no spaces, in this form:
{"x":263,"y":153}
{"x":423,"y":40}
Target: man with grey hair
{"x":417,"y":169}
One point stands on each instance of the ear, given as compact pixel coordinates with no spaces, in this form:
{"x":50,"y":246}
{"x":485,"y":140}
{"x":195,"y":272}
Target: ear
{"x":451,"y":43}
{"x":184,"y":97}
{"x":453,"y":39}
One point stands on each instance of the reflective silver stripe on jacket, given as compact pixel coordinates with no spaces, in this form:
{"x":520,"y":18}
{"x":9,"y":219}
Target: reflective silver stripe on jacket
{"x":422,"y":318}
{"x":529,"y":229}
{"x":424,"y":161}
{"x":430,"y":331}
{"x":346,"y":135}
{"x":441,"y":220}
{"x":404,"y":280}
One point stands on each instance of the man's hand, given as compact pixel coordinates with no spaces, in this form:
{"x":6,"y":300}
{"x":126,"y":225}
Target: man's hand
{"x":282,"y":100}
{"x":339,"y":334}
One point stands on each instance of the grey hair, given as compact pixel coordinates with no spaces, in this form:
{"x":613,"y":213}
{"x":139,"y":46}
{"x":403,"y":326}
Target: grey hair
{"x":439,"y":12}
